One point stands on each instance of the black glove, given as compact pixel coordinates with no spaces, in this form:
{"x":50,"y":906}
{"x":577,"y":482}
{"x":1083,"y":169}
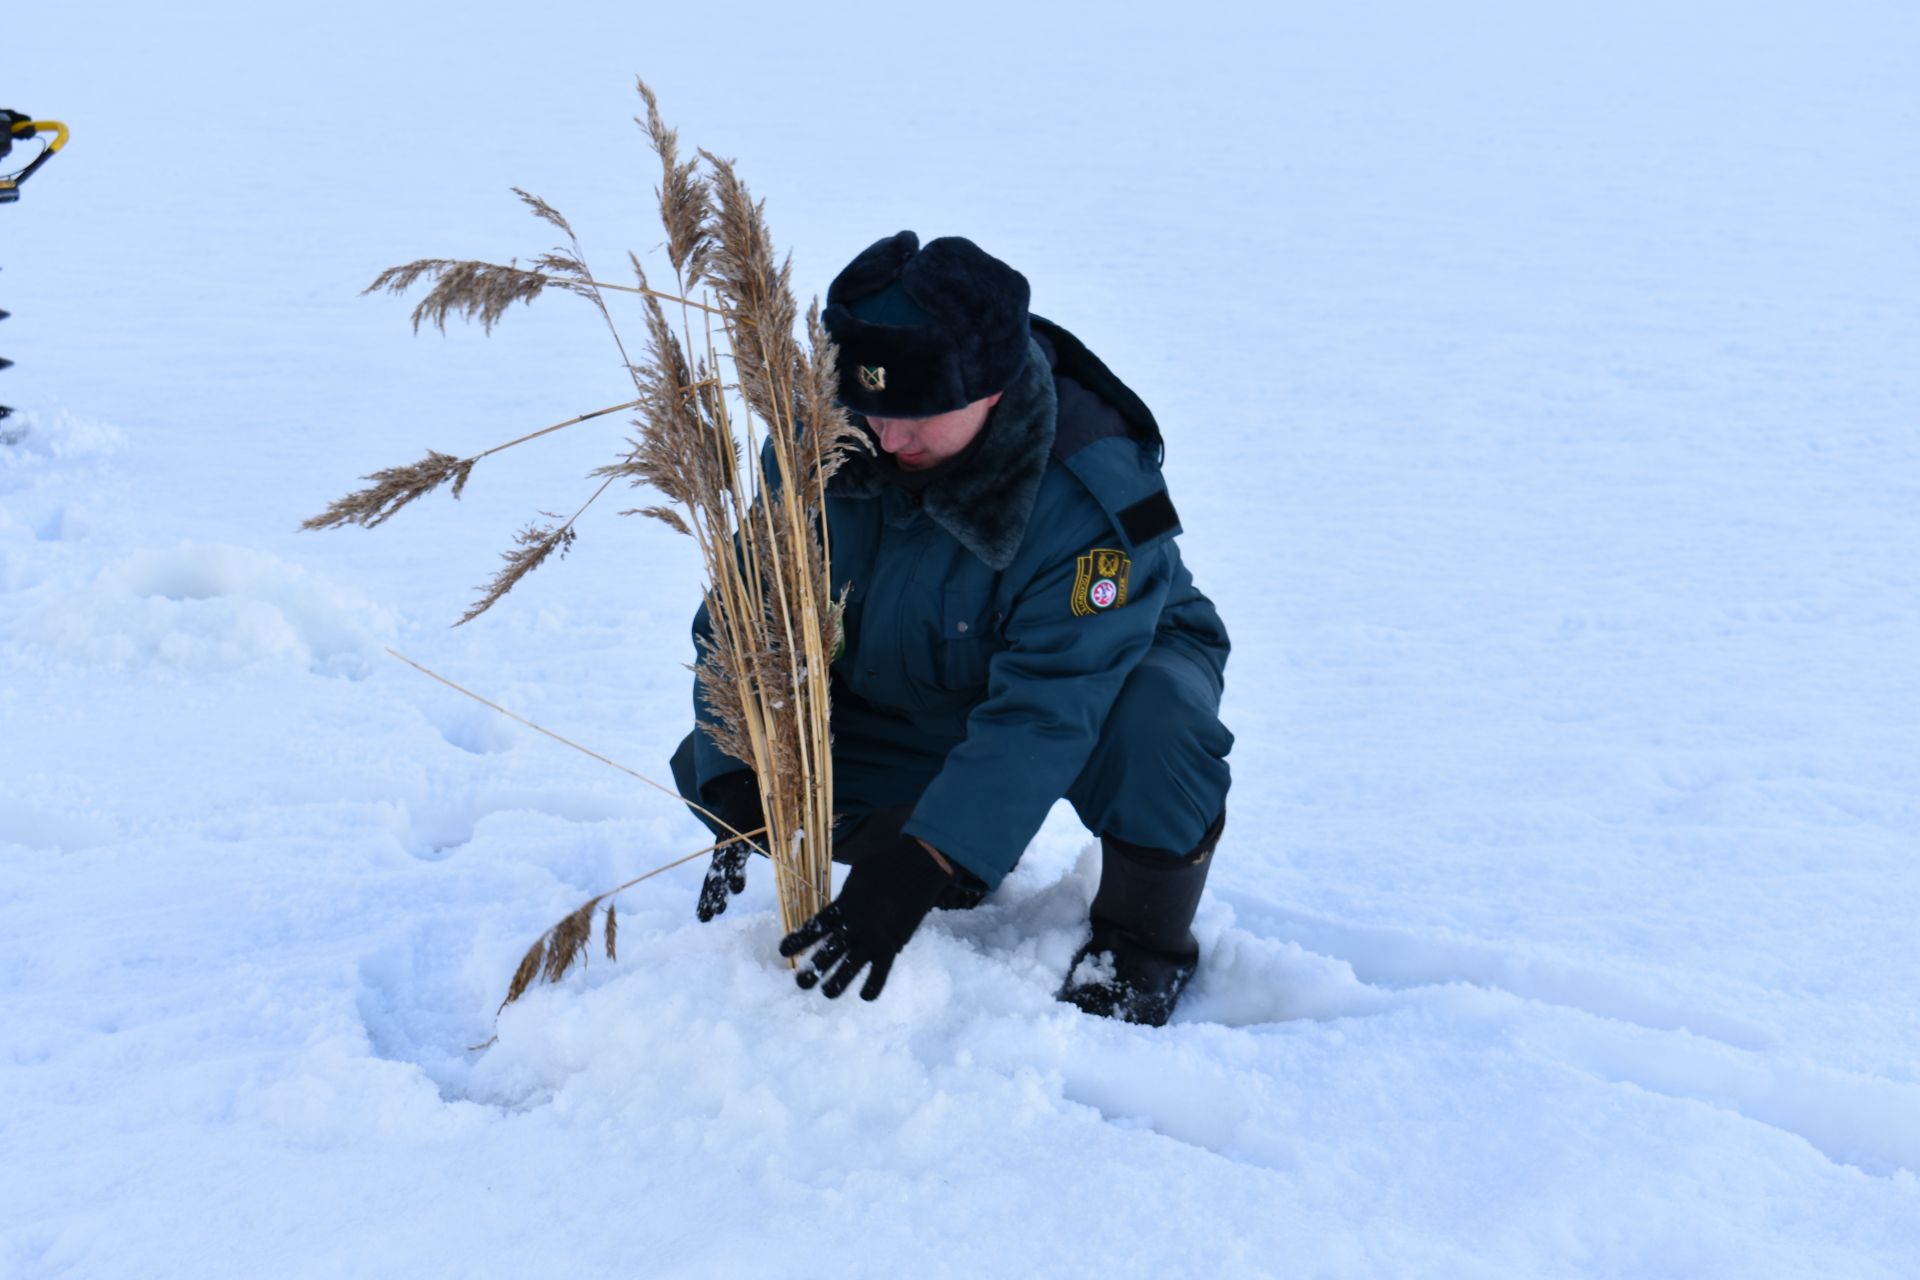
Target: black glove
{"x":885,"y":898}
{"x":726,"y":875}
{"x":736,"y":801}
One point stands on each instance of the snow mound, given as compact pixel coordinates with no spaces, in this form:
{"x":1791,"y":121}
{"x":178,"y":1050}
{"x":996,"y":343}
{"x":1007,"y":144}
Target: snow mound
{"x":32,"y":438}
{"x":210,"y":608}
{"x":39,"y":827}
{"x":56,"y":481}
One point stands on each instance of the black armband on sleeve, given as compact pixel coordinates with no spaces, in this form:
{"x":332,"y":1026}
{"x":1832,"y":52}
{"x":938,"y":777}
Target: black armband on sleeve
{"x":1148,"y":518}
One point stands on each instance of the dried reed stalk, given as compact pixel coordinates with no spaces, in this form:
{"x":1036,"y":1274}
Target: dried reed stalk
{"x":749,"y":476}
{"x":517,"y":718}
{"x":742,"y":458}
{"x":395,"y":487}
{"x":484,"y":290}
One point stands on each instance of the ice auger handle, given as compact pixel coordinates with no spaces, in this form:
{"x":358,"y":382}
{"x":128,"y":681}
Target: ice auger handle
{"x":19,"y":127}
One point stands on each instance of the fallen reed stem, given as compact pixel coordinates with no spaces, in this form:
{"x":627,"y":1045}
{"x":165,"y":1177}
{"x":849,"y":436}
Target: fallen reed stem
{"x":585,"y":751}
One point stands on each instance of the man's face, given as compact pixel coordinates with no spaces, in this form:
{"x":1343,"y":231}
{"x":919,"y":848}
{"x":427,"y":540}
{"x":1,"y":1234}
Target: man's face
{"x":919,"y":443}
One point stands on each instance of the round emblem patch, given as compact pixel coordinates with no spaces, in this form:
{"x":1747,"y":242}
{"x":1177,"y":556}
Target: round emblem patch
{"x":1101,"y":582}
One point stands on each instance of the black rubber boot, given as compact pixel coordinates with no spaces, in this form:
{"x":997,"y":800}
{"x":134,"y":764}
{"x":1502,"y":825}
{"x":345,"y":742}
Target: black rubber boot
{"x":1142,"y":953}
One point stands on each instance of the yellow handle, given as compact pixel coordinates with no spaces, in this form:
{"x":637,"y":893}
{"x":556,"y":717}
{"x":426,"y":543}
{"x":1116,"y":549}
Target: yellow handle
{"x":26,"y":128}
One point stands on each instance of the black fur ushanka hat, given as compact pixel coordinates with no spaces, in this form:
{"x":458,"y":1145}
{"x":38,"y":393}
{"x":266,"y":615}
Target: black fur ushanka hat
{"x":927,"y":330}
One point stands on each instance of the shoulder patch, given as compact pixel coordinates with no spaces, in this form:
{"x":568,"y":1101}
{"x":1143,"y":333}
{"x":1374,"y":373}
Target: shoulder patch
{"x":1101,"y":584}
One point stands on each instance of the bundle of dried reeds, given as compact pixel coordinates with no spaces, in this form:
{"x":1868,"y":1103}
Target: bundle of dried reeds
{"x":739,"y":429}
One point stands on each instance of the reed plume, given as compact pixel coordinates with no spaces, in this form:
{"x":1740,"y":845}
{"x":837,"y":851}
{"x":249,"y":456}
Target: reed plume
{"x":393,"y":489}
{"x":474,"y":290}
{"x":535,"y":544}
{"x":552,"y":954}
{"x":683,"y":195}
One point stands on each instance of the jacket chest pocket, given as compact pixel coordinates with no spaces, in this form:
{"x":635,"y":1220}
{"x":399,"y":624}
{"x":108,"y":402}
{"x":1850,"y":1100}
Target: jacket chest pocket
{"x":969,"y":637}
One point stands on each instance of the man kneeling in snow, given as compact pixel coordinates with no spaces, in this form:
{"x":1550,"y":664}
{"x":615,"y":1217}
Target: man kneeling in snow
{"x":1019,"y":628}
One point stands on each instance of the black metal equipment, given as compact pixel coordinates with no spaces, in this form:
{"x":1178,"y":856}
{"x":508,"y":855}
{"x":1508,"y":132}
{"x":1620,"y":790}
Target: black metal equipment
{"x":17,"y":127}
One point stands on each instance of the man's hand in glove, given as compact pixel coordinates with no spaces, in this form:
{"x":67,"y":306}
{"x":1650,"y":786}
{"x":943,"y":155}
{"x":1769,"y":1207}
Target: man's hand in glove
{"x":885,"y":898}
{"x":726,"y":875}
{"x":736,"y":802}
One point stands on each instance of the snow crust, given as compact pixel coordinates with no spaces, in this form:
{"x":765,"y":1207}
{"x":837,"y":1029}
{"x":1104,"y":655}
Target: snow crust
{"x":1540,"y":394}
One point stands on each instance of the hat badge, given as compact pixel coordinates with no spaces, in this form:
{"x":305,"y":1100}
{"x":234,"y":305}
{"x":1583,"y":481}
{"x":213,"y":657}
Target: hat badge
{"x":873,"y":377}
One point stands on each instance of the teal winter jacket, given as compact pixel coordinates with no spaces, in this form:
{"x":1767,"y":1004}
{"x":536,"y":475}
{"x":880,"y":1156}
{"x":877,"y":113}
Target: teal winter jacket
{"x":996,"y":607}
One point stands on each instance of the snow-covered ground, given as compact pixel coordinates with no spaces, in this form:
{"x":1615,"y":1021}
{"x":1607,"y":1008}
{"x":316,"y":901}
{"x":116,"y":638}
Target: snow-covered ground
{"x":1541,"y":385}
